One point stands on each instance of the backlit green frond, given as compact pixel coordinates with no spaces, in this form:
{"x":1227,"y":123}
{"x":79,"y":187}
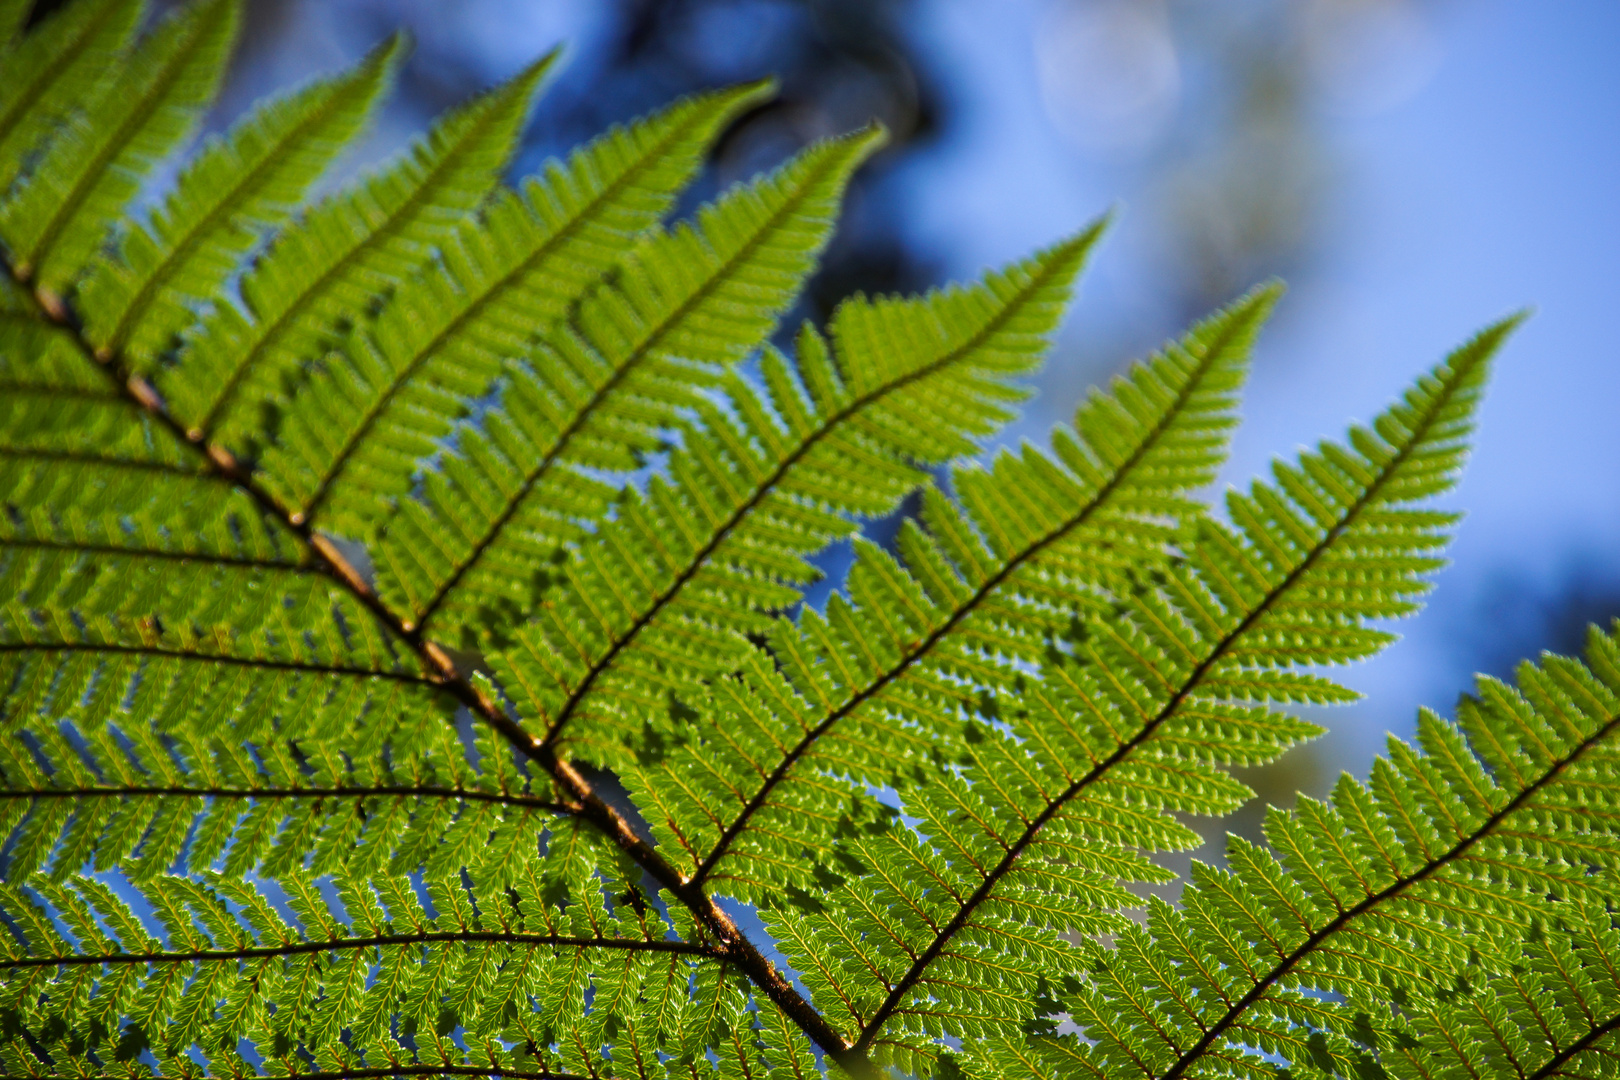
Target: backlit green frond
{"x":89,"y":563}
{"x":1554,"y":1013}
{"x":241,"y":183}
{"x":602,"y":390}
{"x":56,"y":68}
{"x":867,"y":690}
{"x":97,"y":159}
{"x":1078,"y":774}
{"x":405,"y":669}
{"x":668,"y":591}
{"x":446,"y":968}
{"x":375,"y":409}
{"x":348,"y":252}
{"x":116,"y":541}
{"x":1418,"y":888}
{"x":175,"y":761}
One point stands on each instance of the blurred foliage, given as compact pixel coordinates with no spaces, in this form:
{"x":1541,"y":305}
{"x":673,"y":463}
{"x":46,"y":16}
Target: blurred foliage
{"x":1215,"y":110}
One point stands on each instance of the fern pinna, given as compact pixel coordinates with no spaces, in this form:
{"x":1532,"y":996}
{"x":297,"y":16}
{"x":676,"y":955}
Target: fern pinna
{"x":405,"y":671}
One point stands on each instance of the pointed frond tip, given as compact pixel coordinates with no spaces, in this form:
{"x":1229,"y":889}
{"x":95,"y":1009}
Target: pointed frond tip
{"x":1132,"y":720}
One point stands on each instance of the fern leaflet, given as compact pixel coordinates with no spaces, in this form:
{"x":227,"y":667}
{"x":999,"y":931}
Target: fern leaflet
{"x":248,"y":180}
{"x":50,"y":68}
{"x":1454,"y":849}
{"x":348,"y":249}
{"x":654,"y":601}
{"x":95,"y":163}
{"x":381,"y":399}
{"x":606,"y":384}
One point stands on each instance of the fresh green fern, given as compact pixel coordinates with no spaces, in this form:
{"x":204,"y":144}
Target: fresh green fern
{"x":404,"y":669}
{"x":1466,"y":883}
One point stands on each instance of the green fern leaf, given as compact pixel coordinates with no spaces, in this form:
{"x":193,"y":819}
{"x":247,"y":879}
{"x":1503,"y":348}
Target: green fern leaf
{"x":240,"y":184}
{"x":869,"y":690}
{"x":382,"y":400}
{"x":350,"y":249}
{"x":57,"y":68}
{"x":1133,"y":724}
{"x":1428,"y":877}
{"x":349,"y":773}
{"x":59,"y":219}
{"x":467,"y":953}
{"x":79,"y":577}
{"x":664,"y":593}
{"x":492,"y":513}
{"x":1554,"y":1013}
{"x":277,"y":803}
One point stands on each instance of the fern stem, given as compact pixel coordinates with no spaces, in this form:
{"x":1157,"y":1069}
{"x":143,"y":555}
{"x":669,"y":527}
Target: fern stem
{"x":401,"y":790}
{"x":738,"y":949}
{"x":1400,"y":885}
{"x":260,"y":952}
{"x":733,"y":946}
{"x":959,"y":921}
{"x":994,"y":582}
{"x":764,"y":488}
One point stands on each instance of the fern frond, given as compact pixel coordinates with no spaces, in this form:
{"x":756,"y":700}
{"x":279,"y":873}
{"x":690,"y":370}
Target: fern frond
{"x":667,"y":593}
{"x":151,"y":762}
{"x":58,"y":407}
{"x":349,"y":251}
{"x":377,"y":407}
{"x":1133,"y":725}
{"x":57,"y":68}
{"x":603,"y":390}
{"x":237,"y":676}
{"x":115,"y":541}
{"x":241,"y":184}
{"x":62,"y":214}
{"x":361,"y":979}
{"x":1413,"y":887}
{"x":83,"y":466}
{"x":869,"y":690}
{"x":1555,"y":1013}
{"x":260,"y":816}
{"x":71,"y":597}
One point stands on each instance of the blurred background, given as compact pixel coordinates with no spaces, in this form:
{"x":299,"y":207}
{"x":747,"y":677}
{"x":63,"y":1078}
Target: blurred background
{"x":1413,"y":168}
